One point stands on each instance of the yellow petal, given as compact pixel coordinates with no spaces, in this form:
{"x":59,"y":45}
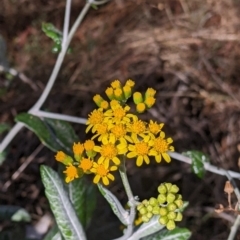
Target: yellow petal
{"x":105,"y":181}
{"x":146,"y":159}
{"x":111,"y":177}
{"x":96,"y":179}
{"x":116,"y":160}
{"x":158,"y":158}
{"x":131,"y":154}
{"x":166,"y":157}
{"x":139,"y":161}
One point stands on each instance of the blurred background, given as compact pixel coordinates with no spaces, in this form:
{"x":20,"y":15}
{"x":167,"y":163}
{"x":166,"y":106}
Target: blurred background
{"x":188,"y":50}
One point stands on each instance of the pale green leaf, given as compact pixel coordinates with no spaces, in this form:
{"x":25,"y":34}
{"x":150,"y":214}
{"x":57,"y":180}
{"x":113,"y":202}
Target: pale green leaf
{"x":61,"y":206}
{"x":14,"y":213}
{"x":116,"y":206}
{"x":83,"y":197}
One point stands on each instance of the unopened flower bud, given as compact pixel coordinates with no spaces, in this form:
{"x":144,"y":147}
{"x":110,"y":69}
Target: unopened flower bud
{"x":149,"y":101}
{"x":156,"y":210}
{"x":109,"y":93}
{"x":150,"y":92}
{"x":141,"y":107}
{"x":178,"y":217}
{"x":98,"y":100}
{"x":137,"y":97}
{"x":127,"y":90}
{"x":174,"y":189}
{"x":161,"y":198}
{"x":163,"y":220}
{"x":153,"y":201}
{"x":168,"y":186}
{"x":163,"y":211}
{"x":149,"y":208}
{"x":171,"y":215}
{"x":170,"y":225}
{"x":149,"y":215}
{"x":179,"y":203}
{"x":145,"y":219}
{"x":170,"y":197}
{"x":143,"y":211}
{"x":172,"y":207}
{"x":162,"y":189}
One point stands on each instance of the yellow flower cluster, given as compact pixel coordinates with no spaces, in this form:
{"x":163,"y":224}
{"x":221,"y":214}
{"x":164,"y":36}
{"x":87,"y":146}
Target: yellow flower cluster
{"x":119,"y":133}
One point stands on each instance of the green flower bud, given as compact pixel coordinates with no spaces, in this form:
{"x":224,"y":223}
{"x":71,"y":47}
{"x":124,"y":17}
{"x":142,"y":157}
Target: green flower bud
{"x":162,"y":189}
{"x":172,"y":207}
{"x":171,"y":215}
{"x":178,"y":196}
{"x":127,"y":90}
{"x":153,"y":201}
{"x":149,"y":208}
{"x":145,"y":202}
{"x":163,"y":220}
{"x":140,"y":206}
{"x":145,"y":219}
{"x":178,"y":217}
{"x":171,"y":225}
{"x":137,"y":97}
{"x":143,"y":211}
{"x":149,"y":215}
{"x":174,"y":189}
{"x":171,"y":197}
{"x":163,"y":211}
{"x":168,"y":186}
{"x":156,"y":210}
{"x":179,"y":203}
{"x":161,"y":198}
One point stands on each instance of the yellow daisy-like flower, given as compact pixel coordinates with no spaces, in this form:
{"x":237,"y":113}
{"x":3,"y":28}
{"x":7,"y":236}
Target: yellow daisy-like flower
{"x":102,"y":172}
{"x":86,"y":164}
{"x":102,"y":131}
{"x":137,"y":127}
{"x":154,"y":127}
{"x":160,"y":149}
{"x":119,"y":131}
{"x":110,"y":151}
{"x":71,"y":173}
{"x":94,"y":118}
{"x":140,"y":149}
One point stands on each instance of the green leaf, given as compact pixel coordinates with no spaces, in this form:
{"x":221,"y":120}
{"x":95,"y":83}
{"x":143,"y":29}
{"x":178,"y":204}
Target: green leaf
{"x":63,"y":133}
{"x":176,"y":234}
{"x":36,"y":125}
{"x":55,"y":134}
{"x":61,"y":206}
{"x":53,"y":234}
{"x":83,"y":197}
{"x":116,"y":206}
{"x":198,"y":160}
{"x":4,"y":127}
{"x":147,"y":229}
{"x":14,"y":213}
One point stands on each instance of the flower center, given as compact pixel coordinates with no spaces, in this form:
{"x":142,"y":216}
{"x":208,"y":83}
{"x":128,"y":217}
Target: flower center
{"x":86,"y":164}
{"x":142,"y":148}
{"x":96,"y":117}
{"x":119,"y":131}
{"x":160,"y":145}
{"x":119,"y":113}
{"x":109,"y":151}
{"x":138,"y":127}
{"x":101,"y":128}
{"x":89,"y":145}
{"x":102,"y":171}
{"x":78,"y":148}
{"x":71,"y":171}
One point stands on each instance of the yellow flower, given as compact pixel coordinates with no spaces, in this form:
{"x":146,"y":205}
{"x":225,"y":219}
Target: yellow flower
{"x":110,"y":151}
{"x":71,"y":173}
{"x":86,"y":164}
{"x":78,"y":149}
{"x":102,"y":131}
{"x":149,"y":101}
{"x":102,"y":172}
{"x":150,"y":92}
{"x":89,"y":145}
{"x":94,"y":118}
{"x":63,"y":158}
{"x":116,"y":84}
{"x":98,"y":100}
{"x":130,"y":83}
{"x":119,"y":131}
{"x":161,"y":147}
{"x":140,"y":149}
{"x":137,"y":127}
{"x":109,"y":93}
{"x":154,"y":127}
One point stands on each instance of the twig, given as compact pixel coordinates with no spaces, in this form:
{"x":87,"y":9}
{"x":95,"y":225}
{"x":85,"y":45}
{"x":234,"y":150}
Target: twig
{"x":17,"y":173}
{"x":60,"y":117}
{"x":207,"y":166}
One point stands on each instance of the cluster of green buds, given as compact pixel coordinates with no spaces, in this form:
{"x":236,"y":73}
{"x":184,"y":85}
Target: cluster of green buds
{"x":167,"y":205}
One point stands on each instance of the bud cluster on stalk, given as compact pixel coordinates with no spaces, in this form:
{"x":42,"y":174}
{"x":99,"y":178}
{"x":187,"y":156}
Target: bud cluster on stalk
{"x":166,"y":205}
